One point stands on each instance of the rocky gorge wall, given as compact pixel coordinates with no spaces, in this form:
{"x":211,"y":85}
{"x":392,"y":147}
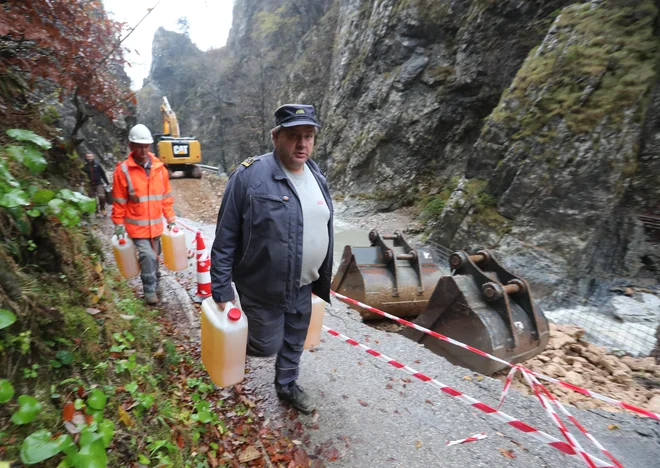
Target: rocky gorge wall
{"x":524,"y":126}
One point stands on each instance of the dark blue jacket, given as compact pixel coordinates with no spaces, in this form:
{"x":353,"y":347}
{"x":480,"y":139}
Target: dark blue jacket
{"x":259,"y":235}
{"x":95,"y":173}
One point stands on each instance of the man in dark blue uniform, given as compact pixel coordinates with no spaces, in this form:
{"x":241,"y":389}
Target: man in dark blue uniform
{"x":274,"y":241}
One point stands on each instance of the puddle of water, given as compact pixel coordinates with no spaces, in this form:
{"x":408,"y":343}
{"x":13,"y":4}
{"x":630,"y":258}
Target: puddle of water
{"x":345,"y":234}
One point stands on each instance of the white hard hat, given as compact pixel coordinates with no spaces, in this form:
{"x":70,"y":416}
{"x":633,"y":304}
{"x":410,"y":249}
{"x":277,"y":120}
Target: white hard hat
{"x":140,"y":134}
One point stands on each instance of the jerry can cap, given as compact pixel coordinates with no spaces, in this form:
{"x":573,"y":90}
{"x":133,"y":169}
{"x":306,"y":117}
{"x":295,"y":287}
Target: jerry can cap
{"x":122,"y":241}
{"x":175,"y":229}
{"x":234,"y":314}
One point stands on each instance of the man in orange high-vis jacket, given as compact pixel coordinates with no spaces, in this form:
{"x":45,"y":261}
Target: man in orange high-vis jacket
{"x":142,"y":200}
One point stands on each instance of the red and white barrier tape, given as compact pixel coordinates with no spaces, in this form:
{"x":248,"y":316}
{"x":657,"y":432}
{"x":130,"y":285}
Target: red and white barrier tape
{"x":473,"y":438}
{"x":547,"y":406}
{"x":492,"y":412}
{"x":575,"y":388}
{"x":183,"y":225}
{"x":507,"y":384}
{"x":538,"y":388}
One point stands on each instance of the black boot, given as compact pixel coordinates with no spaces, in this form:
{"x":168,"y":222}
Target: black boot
{"x":296,"y":397}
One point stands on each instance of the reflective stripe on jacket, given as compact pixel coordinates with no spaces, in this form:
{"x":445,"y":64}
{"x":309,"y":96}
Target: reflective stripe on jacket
{"x":142,"y":203}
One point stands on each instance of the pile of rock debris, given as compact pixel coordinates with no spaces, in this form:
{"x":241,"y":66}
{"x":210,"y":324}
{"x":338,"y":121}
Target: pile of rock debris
{"x":569,"y":358}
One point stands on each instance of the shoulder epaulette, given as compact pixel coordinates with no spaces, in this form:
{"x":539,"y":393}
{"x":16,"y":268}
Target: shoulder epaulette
{"x":248,"y":162}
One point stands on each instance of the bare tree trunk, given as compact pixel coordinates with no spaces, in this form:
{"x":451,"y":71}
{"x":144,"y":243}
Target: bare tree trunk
{"x":81,"y":119}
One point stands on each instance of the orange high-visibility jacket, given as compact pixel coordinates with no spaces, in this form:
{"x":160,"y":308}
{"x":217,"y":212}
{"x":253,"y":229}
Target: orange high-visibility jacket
{"x":139,"y":203}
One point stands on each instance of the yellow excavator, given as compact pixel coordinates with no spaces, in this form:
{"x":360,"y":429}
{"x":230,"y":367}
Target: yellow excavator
{"x":176,"y":152}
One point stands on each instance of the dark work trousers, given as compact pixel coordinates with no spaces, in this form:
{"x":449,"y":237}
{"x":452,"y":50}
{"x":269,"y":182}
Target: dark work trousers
{"x":148,"y":252}
{"x":276,"y":330}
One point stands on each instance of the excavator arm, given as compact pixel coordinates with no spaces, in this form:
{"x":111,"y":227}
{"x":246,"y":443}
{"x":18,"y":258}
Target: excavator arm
{"x":170,"y":123}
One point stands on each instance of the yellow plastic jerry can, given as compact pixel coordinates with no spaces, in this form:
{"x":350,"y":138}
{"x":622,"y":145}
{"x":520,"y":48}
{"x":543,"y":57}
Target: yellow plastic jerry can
{"x":224,"y":342}
{"x":175,"y":254}
{"x":125,"y":256}
{"x":314,"y":330}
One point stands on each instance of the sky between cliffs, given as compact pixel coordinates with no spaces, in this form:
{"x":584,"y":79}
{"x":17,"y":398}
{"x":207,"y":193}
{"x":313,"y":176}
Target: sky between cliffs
{"x":209,"y":23}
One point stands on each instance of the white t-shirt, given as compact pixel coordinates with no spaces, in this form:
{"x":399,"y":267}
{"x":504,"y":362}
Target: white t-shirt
{"x":316,"y":216}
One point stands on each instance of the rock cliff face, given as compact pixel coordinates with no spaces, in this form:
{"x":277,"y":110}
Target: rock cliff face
{"x":529,"y":127}
{"x":556,"y":168}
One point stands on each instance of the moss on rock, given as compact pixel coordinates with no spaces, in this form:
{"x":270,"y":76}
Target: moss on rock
{"x":596,"y":65}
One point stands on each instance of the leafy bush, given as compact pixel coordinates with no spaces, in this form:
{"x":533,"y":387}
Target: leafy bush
{"x":24,"y":195}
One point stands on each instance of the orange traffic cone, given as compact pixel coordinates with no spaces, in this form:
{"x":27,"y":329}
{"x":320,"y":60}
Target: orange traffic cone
{"x":203,"y":270}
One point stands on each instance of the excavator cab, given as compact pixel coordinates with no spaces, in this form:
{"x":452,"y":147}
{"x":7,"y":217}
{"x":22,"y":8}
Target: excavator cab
{"x":176,"y":152}
{"x":487,"y":307}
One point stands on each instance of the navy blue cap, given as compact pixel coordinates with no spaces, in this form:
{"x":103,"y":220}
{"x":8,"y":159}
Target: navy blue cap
{"x":290,"y":115}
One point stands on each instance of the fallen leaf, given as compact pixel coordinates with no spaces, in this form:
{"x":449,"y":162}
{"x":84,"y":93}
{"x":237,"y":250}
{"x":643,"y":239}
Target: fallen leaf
{"x":363,"y":403}
{"x":212,"y":460}
{"x":248,"y":454}
{"x":467,"y":377}
{"x":500,"y":434}
{"x":507,"y":453}
{"x":429,"y":402}
{"x":125,"y":418}
{"x":300,"y":458}
{"x":127,"y":317}
{"x":480,"y":378}
{"x":72,"y":428}
{"x":332,"y":454}
{"x":389,"y":386}
{"x":98,"y":267}
{"x":612,"y":427}
{"x":418,"y":444}
{"x":78,"y":418}
{"x":522,"y":447}
{"x":179,"y":441}
{"x":67,"y":411}
{"x":92,"y":311}
{"x":247,"y":401}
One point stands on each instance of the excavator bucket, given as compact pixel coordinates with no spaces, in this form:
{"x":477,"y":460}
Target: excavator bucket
{"x":390,"y":275}
{"x":485,"y":306}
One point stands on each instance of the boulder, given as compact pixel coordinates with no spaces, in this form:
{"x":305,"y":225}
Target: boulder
{"x":573,"y":331}
{"x":560,"y":340}
{"x":554,"y":370}
{"x":646,"y":364}
{"x":621,"y":376}
{"x":654,"y":404}
{"x":639,"y":308}
{"x":574,"y":378}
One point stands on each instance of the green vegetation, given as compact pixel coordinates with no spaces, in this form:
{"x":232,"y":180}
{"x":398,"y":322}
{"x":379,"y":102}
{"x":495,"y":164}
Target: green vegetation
{"x":432,"y":206}
{"x":600,"y":66}
{"x":485,"y":207}
{"x":279,"y":26}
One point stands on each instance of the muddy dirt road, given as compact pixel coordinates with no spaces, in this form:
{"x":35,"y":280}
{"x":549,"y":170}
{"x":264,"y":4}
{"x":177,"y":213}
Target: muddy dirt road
{"x":370,"y":414}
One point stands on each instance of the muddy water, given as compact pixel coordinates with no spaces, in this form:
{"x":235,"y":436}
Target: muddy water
{"x":347,"y":234}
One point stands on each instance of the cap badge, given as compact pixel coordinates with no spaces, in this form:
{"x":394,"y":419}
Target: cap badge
{"x":300,"y":111}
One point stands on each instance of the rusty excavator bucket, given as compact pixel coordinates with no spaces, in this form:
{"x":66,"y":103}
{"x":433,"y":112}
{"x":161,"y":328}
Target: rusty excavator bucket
{"x":390,"y":275}
{"x":485,"y":306}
